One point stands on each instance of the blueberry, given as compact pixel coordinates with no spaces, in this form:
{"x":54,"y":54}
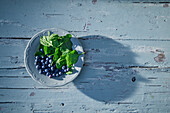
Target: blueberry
{"x":35,"y":63}
{"x":43,"y":64}
{"x":42,"y":57}
{"x":36,"y":57}
{"x":68,"y":69}
{"x":56,"y":75}
{"x":63,"y":67}
{"x":46,"y":70}
{"x":39,"y":64}
{"x":41,"y":50}
{"x":53,"y":74}
{"x":52,"y":68}
{"x":42,"y":61}
{"x":36,"y":60}
{"x":43,"y":67}
{"x":56,"y":71}
{"x":49,"y":65}
{"x":37,"y":67}
{"x":59,"y":73}
{"x":62,"y":71}
{"x":47,"y":59}
{"x":50,"y":57}
{"x":50,"y":61}
{"x":40,"y":71}
{"x":65,"y":70}
{"x":47,"y":74}
{"x":46,"y":62}
{"x":50,"y":76}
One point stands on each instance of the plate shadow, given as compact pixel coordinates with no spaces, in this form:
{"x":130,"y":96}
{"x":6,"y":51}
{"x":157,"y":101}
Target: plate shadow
{"x":107,"y":74}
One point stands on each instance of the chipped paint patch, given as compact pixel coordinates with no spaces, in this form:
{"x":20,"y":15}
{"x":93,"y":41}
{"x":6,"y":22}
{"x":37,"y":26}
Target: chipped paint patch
{"x":32,"y":94}
{"x":14,"y":60}
{"x":94,"y":1}
{"x":160,"y":58}
{"x":165,"y":5}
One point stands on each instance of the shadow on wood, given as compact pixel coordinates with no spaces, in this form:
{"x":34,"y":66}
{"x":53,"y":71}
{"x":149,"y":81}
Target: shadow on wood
{"x":107,"y":74}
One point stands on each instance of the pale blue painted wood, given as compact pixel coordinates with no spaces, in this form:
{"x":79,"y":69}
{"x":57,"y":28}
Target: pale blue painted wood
{"x":131,"y":35}
{"x":143,"y":21}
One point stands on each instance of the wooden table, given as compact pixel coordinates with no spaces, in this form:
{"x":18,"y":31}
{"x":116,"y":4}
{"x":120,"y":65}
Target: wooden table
{"x":127,"y":60}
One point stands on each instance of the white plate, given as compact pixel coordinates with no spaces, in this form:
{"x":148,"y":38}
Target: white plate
{"x":42,"y":79}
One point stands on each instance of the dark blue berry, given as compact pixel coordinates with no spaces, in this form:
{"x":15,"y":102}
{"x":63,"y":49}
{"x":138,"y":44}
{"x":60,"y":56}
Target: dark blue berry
{"x":42,"y":57}
{"x":68,"y":69}
{"x":47,"y":74}
{"x":52,"y":68}
{"x":39,"y":64}
{"x":46,"y":70}
{"x":50,"y":57}
{"x":56,"y":75}
{"x":50,"y":76}
{"x":62,"y":70}
{"x":36,"y":57}
{"x":50,"y":61}
{"x":59,"y":73}
{"x":65,"y":70}
{"x":37,"y":67}
{"x":49,"y":65}
{"x":36,"y":60}
{"x":43,"y":64}
{"x":47,"y":59}
{"x":63,"y":67}
{"x":40,"y":71}
{"x":35,"y":63}
{"x":53,"y":74}
{"x":42,"y":61}
{"x":46,"y":62}
{"x":43,"y":67}
{"x":41,"y":50}
{"x":56,"y":71}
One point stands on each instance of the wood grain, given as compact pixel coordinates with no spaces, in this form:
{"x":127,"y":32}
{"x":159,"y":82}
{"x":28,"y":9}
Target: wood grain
{"x":127,"y":63}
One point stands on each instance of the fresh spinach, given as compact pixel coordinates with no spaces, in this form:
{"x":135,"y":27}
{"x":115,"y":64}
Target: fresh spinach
{"x":61,"y":49}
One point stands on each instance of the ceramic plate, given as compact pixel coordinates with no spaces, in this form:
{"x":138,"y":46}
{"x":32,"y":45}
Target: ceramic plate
{"x":42,"y":79}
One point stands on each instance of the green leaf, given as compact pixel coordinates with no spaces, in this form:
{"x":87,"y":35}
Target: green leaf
{"x":66,"y":52}
{"x":68,"y":35}
{"x":57,"y":54}
{"x":72,"y":58}
{"x":69,"y":72}
{"x":50,"y":50}
{"x":55,"y":43}
{"x":61,"y":61}
{"x":39,"y":53}
{"x":67,"y":44}
{"x":45,"y":42}
{"x":45,"y":50}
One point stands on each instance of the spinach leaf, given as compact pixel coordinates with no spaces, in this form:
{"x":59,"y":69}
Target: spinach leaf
{"x":69,"y":72}
{"x":38,"y":53}
{"x":45,"y":48}
{"x":72,"y":58}
{"x":67,"y":44}
{"x":61,"y":61}
{"x":45,"y":42}
{"x":57,"y":54}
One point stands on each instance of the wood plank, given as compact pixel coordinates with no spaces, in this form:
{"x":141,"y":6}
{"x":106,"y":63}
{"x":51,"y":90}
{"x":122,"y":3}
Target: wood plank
{"x":99,"y":50}
{"x":123,"y":21}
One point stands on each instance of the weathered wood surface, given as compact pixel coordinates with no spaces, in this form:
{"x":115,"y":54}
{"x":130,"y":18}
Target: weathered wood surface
{"x":121,"y":40}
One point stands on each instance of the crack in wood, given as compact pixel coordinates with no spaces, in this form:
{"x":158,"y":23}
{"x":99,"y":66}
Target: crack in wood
{"x":31,"y":88}
{"x":90,"y":38}
{"x":15,"y":76}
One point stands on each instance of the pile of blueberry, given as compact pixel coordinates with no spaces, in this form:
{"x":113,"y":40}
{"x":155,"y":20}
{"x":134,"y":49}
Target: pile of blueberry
{"x":43,"y":64}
